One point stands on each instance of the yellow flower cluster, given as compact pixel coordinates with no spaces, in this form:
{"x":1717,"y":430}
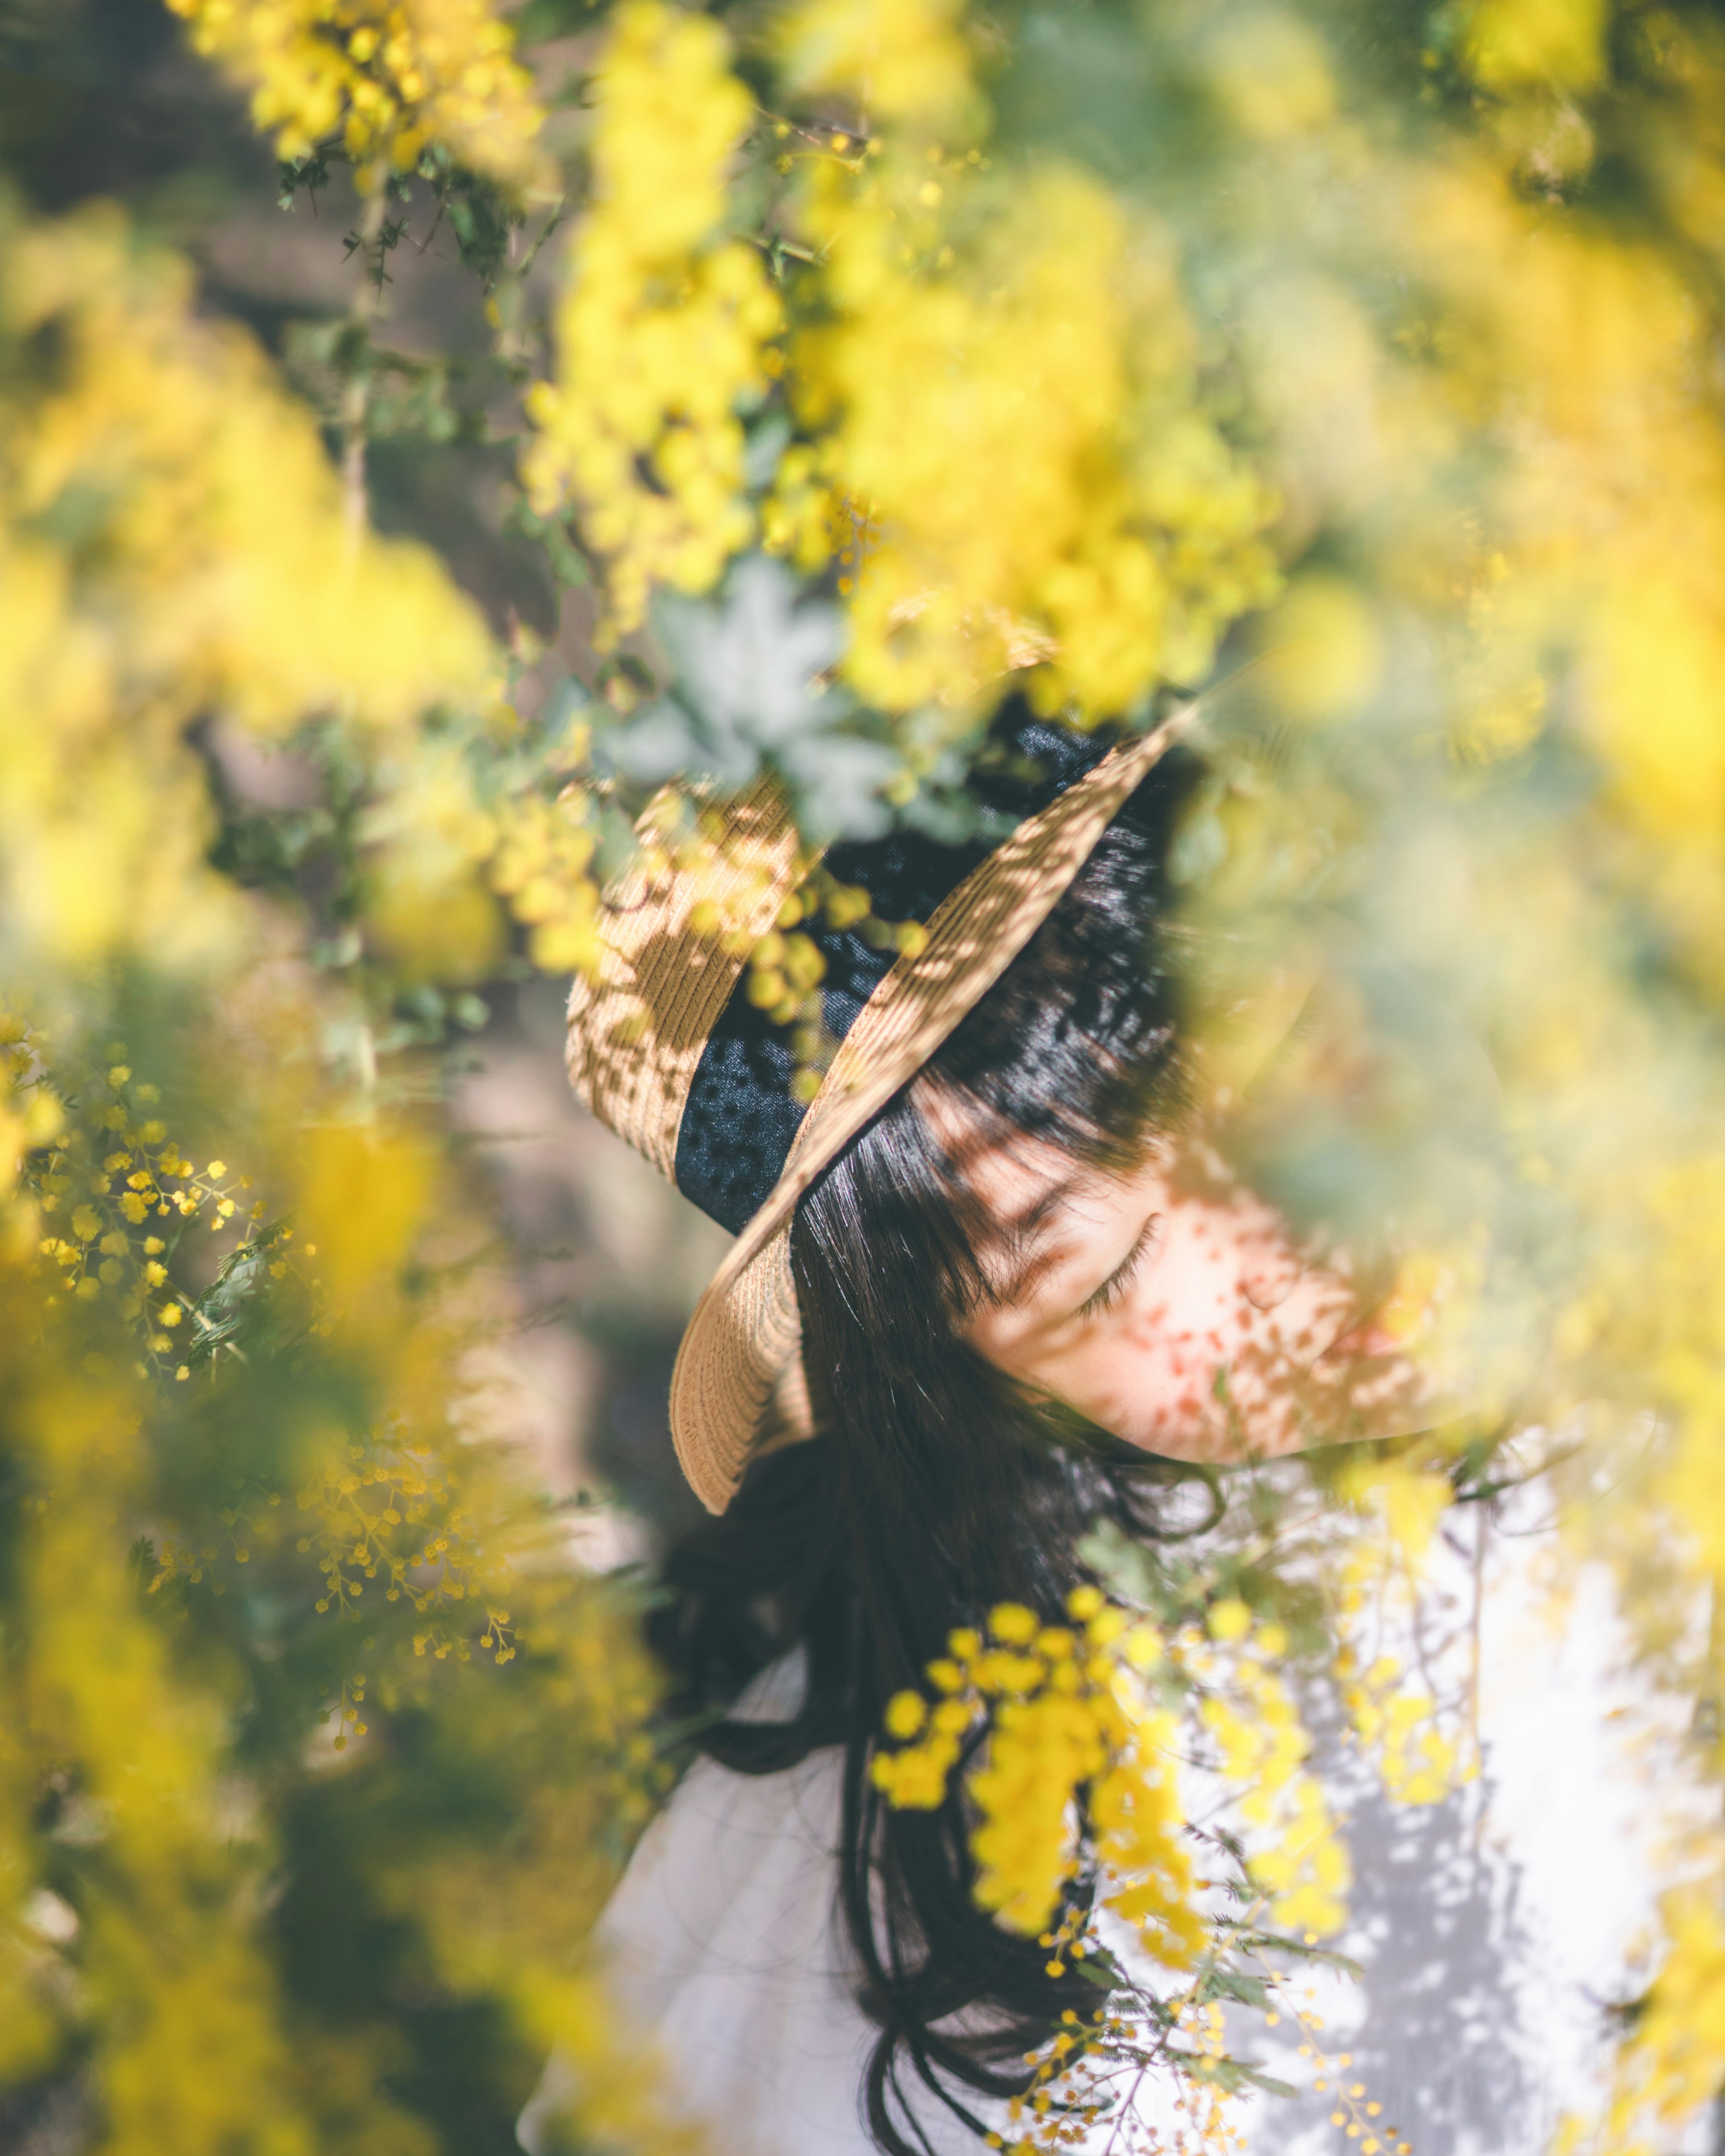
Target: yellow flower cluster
{"x":172,"y":545}
{"x":92,"y":1688}
{"x":786,"y":967}
{"x":1399,"y":1723}
{"x":385,"y":1504}
{"x":663,"y":331}
{"x":541,"y":868}
{"x":1669,"y":2067}
{"x":389,"y":78}
{"x":999,"y":388}
{"x":1068,"y":1710}
{"x":1087,"y":2078}
{"x":1085,"y":1725}
{"x":116,"y":1195}
{"x":904,"y":60}
{"x":1418,"y":1760}
{"x":107,"y":1172}
{"x":1296,"y":1853}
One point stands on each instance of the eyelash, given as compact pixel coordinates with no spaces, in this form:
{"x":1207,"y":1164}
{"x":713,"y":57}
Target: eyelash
{"x":1117,"y":1282}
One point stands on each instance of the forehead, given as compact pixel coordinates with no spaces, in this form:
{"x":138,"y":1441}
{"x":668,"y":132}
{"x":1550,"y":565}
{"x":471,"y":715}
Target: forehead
{"x":1013,"y":1175}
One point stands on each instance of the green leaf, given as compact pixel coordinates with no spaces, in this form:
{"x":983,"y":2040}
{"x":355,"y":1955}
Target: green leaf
{"x":1228,"y":1983}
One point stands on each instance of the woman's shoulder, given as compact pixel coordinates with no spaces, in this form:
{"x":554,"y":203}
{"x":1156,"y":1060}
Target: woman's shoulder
{"x":736,"y":1869}
{"x":724,"y":1947}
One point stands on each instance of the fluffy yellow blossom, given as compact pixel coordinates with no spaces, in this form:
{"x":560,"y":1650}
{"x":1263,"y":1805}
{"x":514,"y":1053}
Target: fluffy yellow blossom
{"x":1669,"y":2066}
{"x":1086,"y":1728}
{"x":905,"y":1714}
{"x":1000,"y":390}
{"x":901,"y":60}
{"x":387,"y":77}
{"x":1418,"y":1760}
{"x":1067,"y":1712}
{"x":172,"y":542}
{"x":540,"y":867}
{"x":662,"y":331}
{"x":1294,"y":1845}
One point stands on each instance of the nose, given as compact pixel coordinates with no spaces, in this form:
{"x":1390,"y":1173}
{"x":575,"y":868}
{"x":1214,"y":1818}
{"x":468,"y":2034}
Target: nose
{"x":1268,"y":1285}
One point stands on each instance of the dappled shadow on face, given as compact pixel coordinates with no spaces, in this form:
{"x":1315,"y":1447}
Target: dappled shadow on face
{"x":1168,"y":1304}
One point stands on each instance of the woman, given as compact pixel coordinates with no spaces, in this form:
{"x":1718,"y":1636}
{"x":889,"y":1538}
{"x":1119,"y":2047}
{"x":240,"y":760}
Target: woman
{"x":1016,"y":1285}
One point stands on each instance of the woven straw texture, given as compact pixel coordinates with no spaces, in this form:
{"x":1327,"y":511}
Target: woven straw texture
{"x":636,"y":1032}
{"x":745,"y":1329}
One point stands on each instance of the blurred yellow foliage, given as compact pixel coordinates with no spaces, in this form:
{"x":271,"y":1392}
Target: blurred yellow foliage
{"x":1000,"y":389}
{"x":173,"y":544}
{"x":1669,"y":2068}
{"x":1468,"y":399}
{"x":903,"y":60}
{"x":665,"y":325}
{"x":178,"y":1996}
{"x":389,"y":79}
{"x":1515,"y":42}
{"x":176,"y":547}
{"x":193,"y":2047}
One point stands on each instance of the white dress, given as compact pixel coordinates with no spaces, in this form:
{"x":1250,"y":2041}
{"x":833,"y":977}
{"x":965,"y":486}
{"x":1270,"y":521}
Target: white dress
{"x":1494,"y":1928}
{"x":725,"y":1947}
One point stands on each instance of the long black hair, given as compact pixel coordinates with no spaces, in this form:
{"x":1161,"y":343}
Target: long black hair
{"x":937,"y":1488}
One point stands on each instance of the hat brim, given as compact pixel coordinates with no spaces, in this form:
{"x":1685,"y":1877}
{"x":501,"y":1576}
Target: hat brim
{"x":745,"y":1329}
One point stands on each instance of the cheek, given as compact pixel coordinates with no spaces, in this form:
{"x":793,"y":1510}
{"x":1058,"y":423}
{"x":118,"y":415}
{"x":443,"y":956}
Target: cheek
{"x":1162,"y":1363}
{"x":1230,"y":1290}
{"x":1196,"y":1300}
{"x":1155,"y":1371}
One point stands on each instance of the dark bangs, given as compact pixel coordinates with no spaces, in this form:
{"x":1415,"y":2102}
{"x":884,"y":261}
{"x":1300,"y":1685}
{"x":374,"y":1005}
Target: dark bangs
{"x":1076,"y":1046}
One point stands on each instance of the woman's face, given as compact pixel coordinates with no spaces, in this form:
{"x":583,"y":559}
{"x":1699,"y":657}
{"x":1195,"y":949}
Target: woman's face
{"x":1172,"y":1307}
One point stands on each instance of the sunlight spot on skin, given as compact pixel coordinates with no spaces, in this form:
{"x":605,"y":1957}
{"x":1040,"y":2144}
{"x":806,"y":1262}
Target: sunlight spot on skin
{"x":1171,"y":1306}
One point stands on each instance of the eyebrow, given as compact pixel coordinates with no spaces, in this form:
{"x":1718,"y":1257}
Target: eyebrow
{"x":1029,"y":1263}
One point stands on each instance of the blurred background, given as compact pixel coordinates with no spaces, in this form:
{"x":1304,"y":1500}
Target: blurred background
{"x":428,"y":428}
{"x":104,"y":102}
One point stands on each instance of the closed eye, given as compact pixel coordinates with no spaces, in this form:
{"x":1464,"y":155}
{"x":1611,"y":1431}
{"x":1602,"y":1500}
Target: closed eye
{"x":1120,"y":1278}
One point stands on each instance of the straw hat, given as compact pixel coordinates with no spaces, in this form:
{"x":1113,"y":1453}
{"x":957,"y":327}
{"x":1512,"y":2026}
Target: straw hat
{"x":665,"y":1047}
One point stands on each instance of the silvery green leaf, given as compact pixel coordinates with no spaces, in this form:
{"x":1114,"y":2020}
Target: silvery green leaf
{"x":652,"y":747}
{"x":767,"y":444}
{"x":952,"y":817}
{"x":745,"y":666}
{"x":567,"y":703}
{"x":618,"y":845}
{"x":838,"y":780}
